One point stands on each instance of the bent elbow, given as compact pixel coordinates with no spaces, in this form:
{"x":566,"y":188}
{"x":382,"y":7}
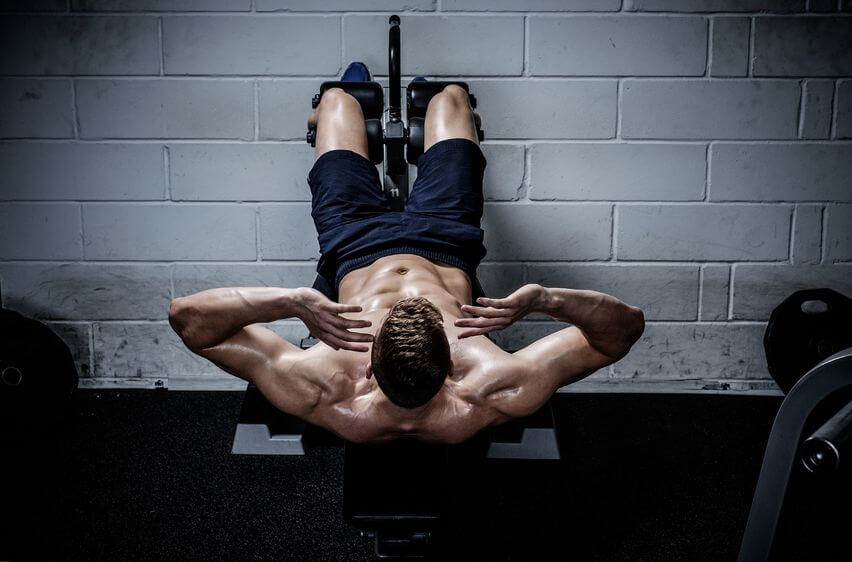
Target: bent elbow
{"x":179,"y":321}
{"x":637,"y":325}
{"x":176,"y":314}
{"x":633,"y":328}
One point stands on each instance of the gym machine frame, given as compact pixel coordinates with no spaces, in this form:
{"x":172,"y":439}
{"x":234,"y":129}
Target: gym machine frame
{"x":786,"y":447}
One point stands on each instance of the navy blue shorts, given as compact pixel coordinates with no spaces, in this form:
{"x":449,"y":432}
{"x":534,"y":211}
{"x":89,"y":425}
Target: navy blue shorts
{"x":441,"y":220}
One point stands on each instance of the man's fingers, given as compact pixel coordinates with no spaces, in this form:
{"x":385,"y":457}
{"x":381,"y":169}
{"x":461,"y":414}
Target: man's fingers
{"x":346,"y":335}
{"x":496,"y":303}
{"x":340,"y":308}
{"x":337,"y":344}
{"x":354,"y":347}
{"x":487,"y":312}
{"x":350,"y":323}
{"x":483,"y":322}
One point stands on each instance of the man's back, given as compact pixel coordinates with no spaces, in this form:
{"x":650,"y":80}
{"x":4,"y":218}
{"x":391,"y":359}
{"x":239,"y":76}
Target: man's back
{"x":354,"y":406}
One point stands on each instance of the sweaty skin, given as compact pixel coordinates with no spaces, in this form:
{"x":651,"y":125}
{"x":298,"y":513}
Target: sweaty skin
{"x":330,"y":385}
{"x":461,"y":407}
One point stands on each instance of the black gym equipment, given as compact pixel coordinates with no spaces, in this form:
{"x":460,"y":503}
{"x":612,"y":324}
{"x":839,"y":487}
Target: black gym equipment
{"x":404,"y":521}
{"x":809,"y":353}
{"x":37,"y":375}
{"x":807,"y":327}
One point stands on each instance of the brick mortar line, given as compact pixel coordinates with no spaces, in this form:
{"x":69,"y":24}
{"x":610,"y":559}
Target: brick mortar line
{"x":255,"y":87}
{"x":82,"y":235}
{"x":494,"y":202}
{"x":835,"y":94}
{"x":708,"y":56}
{"x":160,"y":42}
{"x":512,"y":141}
{"x":432,"y":13}
{"x":731,"y":293}
{"x":525,"y":179}
{"x":526,"y":42}
{"x":312,"y":262}
{"x":791,"y":235}
{"x":75,"y":117}
{"x":657,"y":202}
{"x":800,"y":109}
{"x":342,"y":46}
{"x":381,"y":78}
{"x":700,"y":310}
{"x":750,"y":70}
{"x":613,"y":234}
{"x":670,"y":203}
{"x":257,"y":241}
{"x":728,"y":314}
{"x":502,"y":141}
{"x":619,"y":113}
{"x":822,"y":209}
{"x":91,"y":339}
{"x":823,"y":239}
{"x":159,"y":263}
{"x":167,"y":172}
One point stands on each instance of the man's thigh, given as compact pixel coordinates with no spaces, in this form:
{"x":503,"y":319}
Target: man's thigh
{"x":449,"y":182}
{"x":345,"y":187}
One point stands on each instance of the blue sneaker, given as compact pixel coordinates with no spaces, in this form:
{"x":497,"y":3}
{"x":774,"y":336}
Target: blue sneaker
{"x":357,"y":72}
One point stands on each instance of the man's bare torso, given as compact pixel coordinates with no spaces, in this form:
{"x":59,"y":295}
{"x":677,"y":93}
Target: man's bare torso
{"x":362,"y":412}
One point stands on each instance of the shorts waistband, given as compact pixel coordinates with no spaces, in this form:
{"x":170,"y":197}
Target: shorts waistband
{"x":348,"y":265}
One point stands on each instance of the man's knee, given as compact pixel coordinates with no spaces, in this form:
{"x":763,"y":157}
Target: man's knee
{"x":453,"y":96}
{"x":337,"y":98}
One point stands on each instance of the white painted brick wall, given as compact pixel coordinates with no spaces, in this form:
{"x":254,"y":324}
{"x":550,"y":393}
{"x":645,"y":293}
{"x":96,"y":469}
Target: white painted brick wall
{"x":692,"y":157}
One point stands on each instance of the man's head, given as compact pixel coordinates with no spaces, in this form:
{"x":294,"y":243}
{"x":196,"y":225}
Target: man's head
{"x":411,"y":354}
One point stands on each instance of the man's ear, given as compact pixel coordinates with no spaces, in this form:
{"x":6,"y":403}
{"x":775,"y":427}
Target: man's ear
{"x":369,"y":370}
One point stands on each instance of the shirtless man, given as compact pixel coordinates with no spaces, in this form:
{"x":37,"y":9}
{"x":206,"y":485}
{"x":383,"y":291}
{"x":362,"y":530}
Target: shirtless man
{"x":403,"y":352}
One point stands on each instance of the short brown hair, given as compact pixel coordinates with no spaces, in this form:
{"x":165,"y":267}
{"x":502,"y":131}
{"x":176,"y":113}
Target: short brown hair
{"x":411,"y":354}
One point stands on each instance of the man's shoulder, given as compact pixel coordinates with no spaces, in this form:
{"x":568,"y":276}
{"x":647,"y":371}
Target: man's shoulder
{"x":499,"y":385}
{"x":481,"y":366}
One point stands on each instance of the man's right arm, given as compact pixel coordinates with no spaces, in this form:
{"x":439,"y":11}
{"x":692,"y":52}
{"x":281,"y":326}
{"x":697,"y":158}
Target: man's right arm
{"x":602,"y":332}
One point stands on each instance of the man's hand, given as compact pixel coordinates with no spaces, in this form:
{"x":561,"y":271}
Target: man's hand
{"x":322,"y":317}
{"x":496,"y":314}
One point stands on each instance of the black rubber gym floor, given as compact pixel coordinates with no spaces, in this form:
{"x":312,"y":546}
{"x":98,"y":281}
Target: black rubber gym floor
{"x":148,"y":475}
